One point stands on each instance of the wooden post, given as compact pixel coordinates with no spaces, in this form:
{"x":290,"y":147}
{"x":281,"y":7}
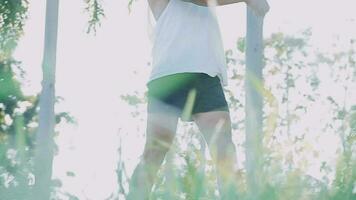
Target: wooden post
{"x":44,"y":137}
{"x":254,"y":103}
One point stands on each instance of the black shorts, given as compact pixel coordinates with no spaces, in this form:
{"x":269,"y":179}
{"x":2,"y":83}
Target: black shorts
{"x":185,"y":94}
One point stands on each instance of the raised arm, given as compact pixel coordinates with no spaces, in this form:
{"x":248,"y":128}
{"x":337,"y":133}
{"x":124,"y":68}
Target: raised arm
{"x":260,"y":7}
{"x":213,"y":2}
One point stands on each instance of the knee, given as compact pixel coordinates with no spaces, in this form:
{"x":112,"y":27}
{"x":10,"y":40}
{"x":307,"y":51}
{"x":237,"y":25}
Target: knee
{"x":157,"y":147}
{"x":214,"y":124}
{"x":154,"y":155}
{"x":163,"y":137}
{"x":161,"y":129}
{"x":222,"y":136}
{"x":222,"y":146}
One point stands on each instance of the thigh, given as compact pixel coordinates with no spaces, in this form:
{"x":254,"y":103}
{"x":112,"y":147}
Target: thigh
{"x":210,"y":96}
{"x":161,"y":129}
{"x":164,"y":87}
{"x":168,"y":94}
{"x":214,"y":125}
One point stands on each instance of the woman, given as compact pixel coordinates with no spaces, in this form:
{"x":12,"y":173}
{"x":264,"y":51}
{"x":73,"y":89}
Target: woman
{"x":187,"y":80}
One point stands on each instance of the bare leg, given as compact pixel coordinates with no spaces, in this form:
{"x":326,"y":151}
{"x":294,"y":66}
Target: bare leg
{"x":161,"y":129}
{"x":216,"y":128}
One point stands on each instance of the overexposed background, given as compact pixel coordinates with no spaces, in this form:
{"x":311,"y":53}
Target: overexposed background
{"x":100,"y":68}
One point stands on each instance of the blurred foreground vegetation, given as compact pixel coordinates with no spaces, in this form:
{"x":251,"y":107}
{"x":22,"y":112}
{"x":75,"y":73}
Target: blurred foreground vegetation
{"x":303,"y":116}
{"x":309,"y":123}
{"x":309,"y":127}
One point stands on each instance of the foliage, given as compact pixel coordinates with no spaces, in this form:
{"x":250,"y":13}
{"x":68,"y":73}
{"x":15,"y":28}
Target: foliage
{"x":297,"y":78}
{"x":96,"y":12}
{"x":13,"y":14}
{"x":18,"y":126}
{"x":18,"y":113}
{"x":18,"y":121}
{"x":294,"y":85}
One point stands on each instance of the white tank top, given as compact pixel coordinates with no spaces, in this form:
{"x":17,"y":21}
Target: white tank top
{"x":187,"y":38}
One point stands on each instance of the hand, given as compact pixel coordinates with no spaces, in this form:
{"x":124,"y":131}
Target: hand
{"x":259,"y":7}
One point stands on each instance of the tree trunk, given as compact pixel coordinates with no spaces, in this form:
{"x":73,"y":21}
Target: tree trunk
{"x":254,"y":103}
{"x":44,"y":138}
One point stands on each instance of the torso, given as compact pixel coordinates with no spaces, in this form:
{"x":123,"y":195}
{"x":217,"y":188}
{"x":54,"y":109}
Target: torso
{"x":186,"y":39}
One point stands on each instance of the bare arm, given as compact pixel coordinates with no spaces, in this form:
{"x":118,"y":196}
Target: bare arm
{"x":260,"y":7}
{"x":213,"y":2}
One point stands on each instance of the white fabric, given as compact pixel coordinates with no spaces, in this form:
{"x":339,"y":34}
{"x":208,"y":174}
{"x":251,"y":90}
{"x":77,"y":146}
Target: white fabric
{"x":187,"y":38}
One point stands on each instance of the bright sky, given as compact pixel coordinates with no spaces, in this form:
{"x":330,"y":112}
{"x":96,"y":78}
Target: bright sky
{"x":93,"y":71}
